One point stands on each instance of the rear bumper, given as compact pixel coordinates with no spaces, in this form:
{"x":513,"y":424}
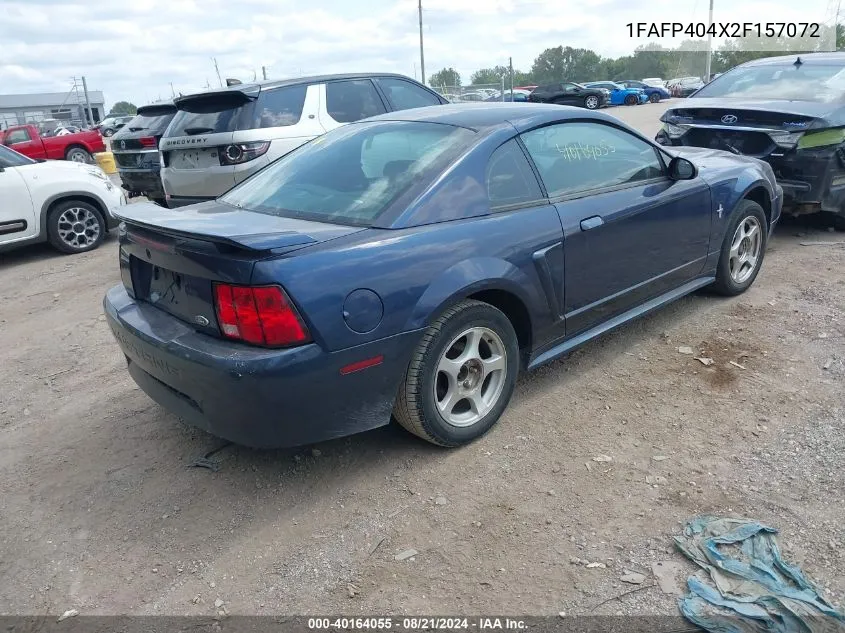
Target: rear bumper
{"x":812,"y":179}
{"x":142,"y":181}
{"x":253,"y":396}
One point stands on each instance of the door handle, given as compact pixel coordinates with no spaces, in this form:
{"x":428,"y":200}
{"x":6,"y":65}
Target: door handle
{"x":591,"y":223}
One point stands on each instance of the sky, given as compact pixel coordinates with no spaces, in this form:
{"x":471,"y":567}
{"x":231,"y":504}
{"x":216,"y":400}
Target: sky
{"x":135,"y":49}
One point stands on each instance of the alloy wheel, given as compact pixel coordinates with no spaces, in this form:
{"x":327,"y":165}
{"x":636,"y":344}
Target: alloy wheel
{"x":78,"y":227}
{"x":592,"y":102}
{"x":746,"y":246}
{"x":470,"y":376}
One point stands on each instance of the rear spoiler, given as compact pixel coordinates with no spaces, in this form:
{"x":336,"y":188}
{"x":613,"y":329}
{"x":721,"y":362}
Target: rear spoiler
{"x":214,"y":100}
{"x":156,"y":109}
{"x":254,"y":242}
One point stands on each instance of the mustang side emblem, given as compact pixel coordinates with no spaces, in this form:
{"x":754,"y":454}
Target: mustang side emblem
{"x":729,"y":118}
{"x":719,"y":210}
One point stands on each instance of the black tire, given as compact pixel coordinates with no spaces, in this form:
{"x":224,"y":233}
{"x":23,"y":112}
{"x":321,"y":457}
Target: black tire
{"x":591,"y":102}
{"x":58,"y":226}
{"x":78,"y":154}
{"x":654,"y":97}
{"x":631,"y":100}
{"x":725,"y":284}
{"x":839,"y":222}
{"x":416,"y":407}
{"x":107,"y":132}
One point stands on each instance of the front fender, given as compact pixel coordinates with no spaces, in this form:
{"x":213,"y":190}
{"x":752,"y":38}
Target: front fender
{"x":468,"y":277}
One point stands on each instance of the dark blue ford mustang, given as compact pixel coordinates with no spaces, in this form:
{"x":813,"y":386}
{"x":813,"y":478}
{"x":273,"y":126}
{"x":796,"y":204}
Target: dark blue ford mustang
{"x":413,"y":263}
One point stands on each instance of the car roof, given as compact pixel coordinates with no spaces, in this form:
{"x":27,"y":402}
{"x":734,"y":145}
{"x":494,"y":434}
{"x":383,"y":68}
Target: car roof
{"x":257,"y":86}
{"x":488,"y":116}
{"x":806,"y":58}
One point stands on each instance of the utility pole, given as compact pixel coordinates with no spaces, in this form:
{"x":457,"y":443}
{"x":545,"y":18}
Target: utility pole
{"x":510,"y":73}
{"x":89,"y":116}
{"x":422,"y":56}
{"x":264,"y":72}
{"x":217,"y":70}
{"x":172,"y":91}
{"x":709,"y":44}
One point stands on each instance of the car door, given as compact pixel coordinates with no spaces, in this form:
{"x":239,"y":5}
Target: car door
{"x":20,"y":140}
{"x":570,"y":94}
{"x":349,"y":100}
{"x":630,"y":233}
{"x":17,"y":214}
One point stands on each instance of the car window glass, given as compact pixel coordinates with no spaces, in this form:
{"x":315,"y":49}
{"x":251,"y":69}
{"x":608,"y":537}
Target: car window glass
{"x":353,"y":100}
{"x":579,"y":156}
{"x":17,"y":136}
{"x":405,"y":95}
{"x":280,"y":107}
{"x":10,"y":158}
{"x":510,"y":179}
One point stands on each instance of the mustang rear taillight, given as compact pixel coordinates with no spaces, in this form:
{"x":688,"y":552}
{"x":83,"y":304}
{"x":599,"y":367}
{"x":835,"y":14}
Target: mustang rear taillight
{"x":261,"y":315}
{"x":238,"y":153}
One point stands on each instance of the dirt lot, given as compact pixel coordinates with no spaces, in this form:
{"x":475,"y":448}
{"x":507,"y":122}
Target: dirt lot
{"x":102,"y":513}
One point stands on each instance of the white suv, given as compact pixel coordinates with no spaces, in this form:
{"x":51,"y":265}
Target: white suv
{"x":220,"y":137}
{"x":62,"y":202}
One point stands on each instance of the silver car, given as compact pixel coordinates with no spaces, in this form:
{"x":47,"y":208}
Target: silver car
{"x":219,"y":138}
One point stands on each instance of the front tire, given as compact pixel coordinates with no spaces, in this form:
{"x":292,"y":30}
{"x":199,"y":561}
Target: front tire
{"x":75,"y":226}
{"x":631,"y":100}
{"x":654,"y":97}
{"x":743,"y":250}
{"x":461,"y":376}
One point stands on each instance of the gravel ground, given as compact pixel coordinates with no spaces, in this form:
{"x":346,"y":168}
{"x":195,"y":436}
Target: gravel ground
{"x":103,"y":514}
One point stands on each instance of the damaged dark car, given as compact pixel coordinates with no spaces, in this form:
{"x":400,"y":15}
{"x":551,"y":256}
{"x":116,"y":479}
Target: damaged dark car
{"x":788,"y":111}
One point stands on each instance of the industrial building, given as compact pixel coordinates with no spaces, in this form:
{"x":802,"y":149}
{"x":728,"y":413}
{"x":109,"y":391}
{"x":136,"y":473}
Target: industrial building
{"x":66,"y":106}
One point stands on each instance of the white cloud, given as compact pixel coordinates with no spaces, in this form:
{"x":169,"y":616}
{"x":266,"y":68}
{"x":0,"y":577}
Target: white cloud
{"x":134,"y":50}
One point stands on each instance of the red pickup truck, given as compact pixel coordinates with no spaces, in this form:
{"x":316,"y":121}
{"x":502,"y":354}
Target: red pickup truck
{"x":79,"y":146}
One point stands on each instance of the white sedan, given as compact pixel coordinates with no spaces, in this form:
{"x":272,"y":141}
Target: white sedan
{"x":65,"y":203}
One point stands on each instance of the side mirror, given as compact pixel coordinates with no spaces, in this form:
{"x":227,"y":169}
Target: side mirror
{"x":682,"y":169}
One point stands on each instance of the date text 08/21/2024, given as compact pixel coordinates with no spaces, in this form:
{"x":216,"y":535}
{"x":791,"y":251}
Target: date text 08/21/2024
{"x":725,"y":29}
{"x":416,"y":623}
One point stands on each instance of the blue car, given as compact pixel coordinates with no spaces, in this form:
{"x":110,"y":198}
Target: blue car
{"x":412,"y":264}
{"x":619,"y":94}
{"x":652,"y":93}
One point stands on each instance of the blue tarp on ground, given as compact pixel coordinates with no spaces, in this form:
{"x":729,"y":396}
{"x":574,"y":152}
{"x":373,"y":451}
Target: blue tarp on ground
{"x":754,"y":590}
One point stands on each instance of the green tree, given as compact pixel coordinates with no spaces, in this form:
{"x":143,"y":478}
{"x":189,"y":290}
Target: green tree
{"x":446,"y":77}
{"x":565,"y":64}
{"x":124,"y":107}
{"x":490,"y":75}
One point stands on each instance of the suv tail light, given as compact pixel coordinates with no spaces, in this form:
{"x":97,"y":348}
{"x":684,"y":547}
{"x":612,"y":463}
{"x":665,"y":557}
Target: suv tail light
{"x":261,"y":315}
{"x":238,"y":153}
{"x":147,"y":141}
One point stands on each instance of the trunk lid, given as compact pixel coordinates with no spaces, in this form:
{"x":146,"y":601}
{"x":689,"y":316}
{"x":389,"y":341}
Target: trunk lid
{"x":171,"y":257}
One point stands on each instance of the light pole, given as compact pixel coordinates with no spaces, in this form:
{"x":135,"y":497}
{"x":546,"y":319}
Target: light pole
{"x":422,"y":57}
{"x":709,"y":44}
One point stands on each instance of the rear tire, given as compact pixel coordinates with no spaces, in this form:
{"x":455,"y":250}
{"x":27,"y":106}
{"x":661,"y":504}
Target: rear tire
{"x":461,"y":375}
{"x":78,"y":154}
{"x":743,"y":249}
{"x":654,"y":97}
{"x":839,"y":222}
{"x":107,"y":132}
{"x":74,"y":226}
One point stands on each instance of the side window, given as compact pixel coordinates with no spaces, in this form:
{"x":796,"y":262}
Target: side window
{"x":580,"y":156}
{"x":510,"y":179}
{"x":280,"y":107}
{"x":568,"y":87}
{"x":17,"y":136}
{"x":404,"y":95}
{"x":353,"y":100}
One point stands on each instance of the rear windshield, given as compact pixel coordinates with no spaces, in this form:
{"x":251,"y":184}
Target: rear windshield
{"x":806,"y":82}
{"x":149,"y":122}
{"x":352,"y":174}
{"x":233,"y":111}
